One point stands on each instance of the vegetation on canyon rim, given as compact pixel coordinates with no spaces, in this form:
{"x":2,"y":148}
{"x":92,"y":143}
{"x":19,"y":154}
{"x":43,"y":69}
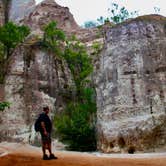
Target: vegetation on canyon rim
{"x":117,"y":15}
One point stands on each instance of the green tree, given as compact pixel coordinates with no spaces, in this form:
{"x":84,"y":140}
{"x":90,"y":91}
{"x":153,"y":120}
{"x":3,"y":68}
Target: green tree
{"x":101,"y":20}
{"x":78,"y":62}
{"x":76,"y":126}
{"x":90,"y":24}
{"x":54,"y":38}
{"x":156,"y":10}
{"x":11,"y":35}
{"x":119,"y":14}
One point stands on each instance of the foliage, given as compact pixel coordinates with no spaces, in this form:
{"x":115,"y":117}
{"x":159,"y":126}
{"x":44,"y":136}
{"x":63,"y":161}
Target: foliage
{"x":90,"y":24}
{"x":70,"y":49}
{"x":120,"y":14}
{"x":100,"y":21}
{"x":11,"y":35}
{"x":77,"y":128}
{"x":78,"y":62}
{"x":3,"y":105}
{"x":76,"y":124}
{"x":156,"y":10}
{"x":53,"y":38}
{"x":97,"y":47}
{"x":117,"y":15}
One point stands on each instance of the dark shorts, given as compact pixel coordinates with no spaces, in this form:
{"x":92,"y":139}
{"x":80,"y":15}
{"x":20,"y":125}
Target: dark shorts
{"x":46,"y":138}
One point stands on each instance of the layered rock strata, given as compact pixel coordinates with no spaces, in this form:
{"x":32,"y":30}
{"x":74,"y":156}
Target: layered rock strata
{"x":35,"y":78}
{"x":47,"y":11}
{"x":19,"y":9}
{"x":131,"y":87}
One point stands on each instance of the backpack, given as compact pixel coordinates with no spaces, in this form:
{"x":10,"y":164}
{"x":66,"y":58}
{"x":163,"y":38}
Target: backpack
{"x":37,"y":125}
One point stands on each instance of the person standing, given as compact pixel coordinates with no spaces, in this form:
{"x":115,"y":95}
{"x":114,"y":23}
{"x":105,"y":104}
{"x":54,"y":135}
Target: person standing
{"x":45,"y":131}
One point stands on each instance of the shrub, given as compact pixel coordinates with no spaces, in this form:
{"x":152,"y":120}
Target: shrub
{"x":76,"y":126}
{"x":10,"y":36}
{"x":3,"y":105}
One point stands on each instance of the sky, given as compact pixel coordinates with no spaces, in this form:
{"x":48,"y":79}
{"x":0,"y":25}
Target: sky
{"x":90,"y":10}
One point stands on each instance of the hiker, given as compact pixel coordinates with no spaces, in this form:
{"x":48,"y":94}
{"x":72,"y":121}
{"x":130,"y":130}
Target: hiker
{"x":45,"y":131}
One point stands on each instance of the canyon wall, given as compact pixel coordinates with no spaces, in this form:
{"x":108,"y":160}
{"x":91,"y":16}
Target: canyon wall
{"x":129,"y":76}
{"x":131,"y":87}
{"x":35,"y":78}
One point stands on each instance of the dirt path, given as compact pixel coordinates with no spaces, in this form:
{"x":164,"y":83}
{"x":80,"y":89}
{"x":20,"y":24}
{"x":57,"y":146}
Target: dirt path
{"x":72,"y":159}
{"x":25,"y":156}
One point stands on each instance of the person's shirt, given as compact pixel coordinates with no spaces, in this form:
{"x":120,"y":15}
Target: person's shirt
{"x":45,"y":118}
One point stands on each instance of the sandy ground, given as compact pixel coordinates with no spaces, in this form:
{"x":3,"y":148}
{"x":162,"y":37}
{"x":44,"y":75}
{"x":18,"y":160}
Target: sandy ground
{"x":25,"y":155}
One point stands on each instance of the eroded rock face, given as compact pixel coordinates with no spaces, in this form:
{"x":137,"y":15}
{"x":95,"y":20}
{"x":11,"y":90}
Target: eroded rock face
{"x":131,"y":87}
{"x":47,"y":11}
{"x":35,"y":78}
{"x":19,"y":9}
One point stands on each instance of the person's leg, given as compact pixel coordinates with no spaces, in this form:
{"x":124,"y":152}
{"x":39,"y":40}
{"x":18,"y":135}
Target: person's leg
{"x":43,"y":148}
{"x":50,"y":149}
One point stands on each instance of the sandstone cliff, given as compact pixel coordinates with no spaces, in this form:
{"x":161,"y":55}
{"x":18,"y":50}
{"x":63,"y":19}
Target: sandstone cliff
{"x":131,"y":86}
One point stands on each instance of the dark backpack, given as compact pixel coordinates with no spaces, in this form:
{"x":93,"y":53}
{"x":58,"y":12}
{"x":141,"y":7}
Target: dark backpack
{"x":37,"y":125}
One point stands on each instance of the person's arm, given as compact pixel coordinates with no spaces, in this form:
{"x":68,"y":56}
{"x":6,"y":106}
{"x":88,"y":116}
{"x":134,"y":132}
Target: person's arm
{"x":44,"y":128}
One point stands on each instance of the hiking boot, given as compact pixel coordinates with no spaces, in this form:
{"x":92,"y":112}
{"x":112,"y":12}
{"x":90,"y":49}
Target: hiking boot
{"x":52,"y":156}
{"x":45,"y":157}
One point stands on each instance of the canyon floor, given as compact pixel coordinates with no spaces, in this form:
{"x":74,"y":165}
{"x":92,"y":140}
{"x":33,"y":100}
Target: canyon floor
{"x":13,"y":154}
